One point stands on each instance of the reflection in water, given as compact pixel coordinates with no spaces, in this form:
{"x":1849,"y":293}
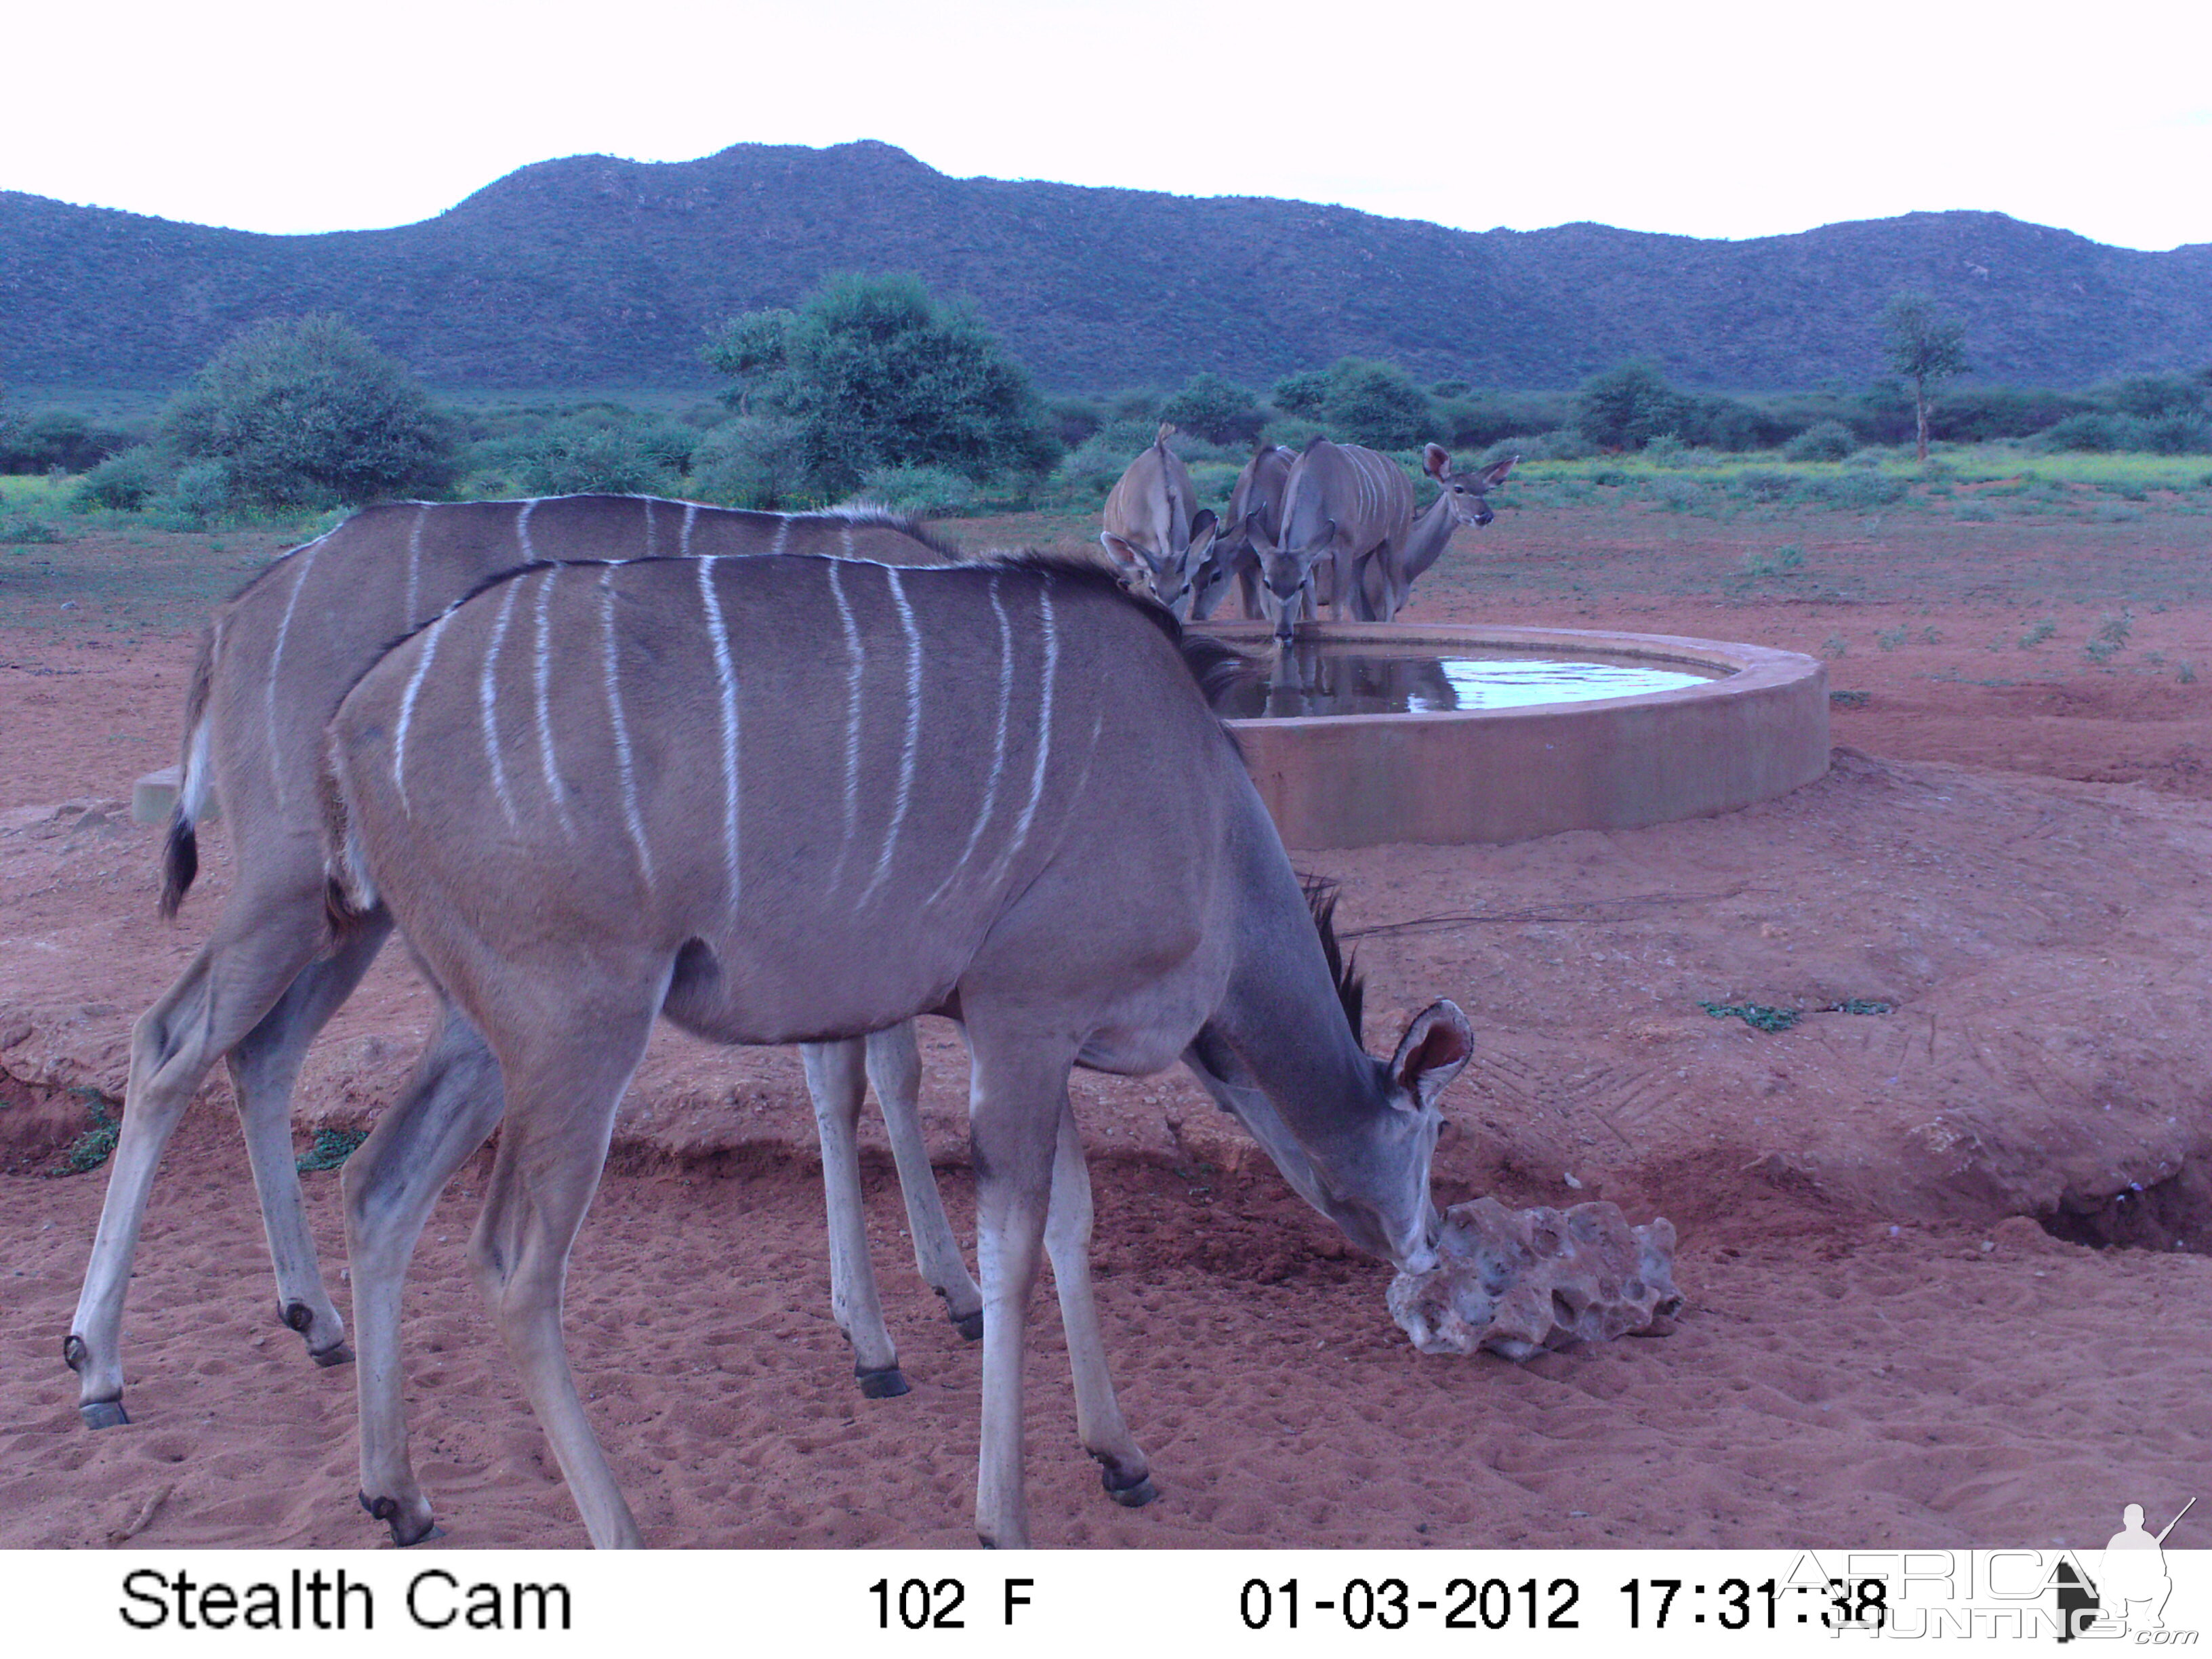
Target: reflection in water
{"x":1315,"y":677}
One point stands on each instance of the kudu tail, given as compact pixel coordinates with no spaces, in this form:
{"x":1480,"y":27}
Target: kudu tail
{"x":349,"y":890}
{"x":180,"y":852}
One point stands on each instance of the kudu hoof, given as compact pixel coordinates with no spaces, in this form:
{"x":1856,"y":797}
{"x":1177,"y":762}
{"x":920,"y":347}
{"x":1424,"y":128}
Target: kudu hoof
{"x":103,"y":1414}
{"x":385,"y":1510}
{"x":888,"y":1383}
{"x":969,"y":1325}
{"x":336,"y":1354}
{"x":1130,"y":1494}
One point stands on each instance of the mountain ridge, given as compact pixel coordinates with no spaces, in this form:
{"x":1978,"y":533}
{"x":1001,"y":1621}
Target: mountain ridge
{"x":591,"y":271}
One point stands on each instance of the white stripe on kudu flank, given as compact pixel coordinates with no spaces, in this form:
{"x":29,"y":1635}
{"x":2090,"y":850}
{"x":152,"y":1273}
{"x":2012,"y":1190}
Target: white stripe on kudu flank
{"x":630,"y":814}
{"x":783,"y":534}
{"x":728,"y":675}
{"x":544,"y":666}
{"x":407,"y":708}
{"x":997,"y":746}
{"x":413,"y":565}
{"x":649,"y":539}
{"x":487,"y":693}
{"x":522,"y":530}
{"x":276,"y":658}
{"x":690,"y":518}
{"x":913,"y":728}
{"x":1044,"y":732}
{"x":852,"y":716}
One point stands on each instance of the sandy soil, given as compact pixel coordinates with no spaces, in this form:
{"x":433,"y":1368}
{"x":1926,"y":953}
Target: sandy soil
{"x":1885,"y":1344}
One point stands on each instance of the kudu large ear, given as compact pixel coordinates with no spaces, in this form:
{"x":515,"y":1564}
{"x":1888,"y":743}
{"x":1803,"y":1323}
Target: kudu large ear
{"x":1129,"y":561}
{"x":1493,"y":474}
{"x":1435,"y":1048}
{"x":1204,"y":527}
{"x":1436,"y":461}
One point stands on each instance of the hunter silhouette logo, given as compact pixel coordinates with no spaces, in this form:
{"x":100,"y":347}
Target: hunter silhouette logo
{"x":2131,"y":1586}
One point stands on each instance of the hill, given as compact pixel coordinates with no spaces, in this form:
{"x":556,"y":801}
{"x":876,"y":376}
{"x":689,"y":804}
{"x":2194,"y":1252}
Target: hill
{"x":592,"y":271}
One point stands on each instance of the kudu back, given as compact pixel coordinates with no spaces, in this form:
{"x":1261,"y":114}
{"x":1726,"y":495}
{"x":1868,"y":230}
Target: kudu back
{"x":714,"y":819}
{"x":1256,"y":509}
{"x":273,"y":664}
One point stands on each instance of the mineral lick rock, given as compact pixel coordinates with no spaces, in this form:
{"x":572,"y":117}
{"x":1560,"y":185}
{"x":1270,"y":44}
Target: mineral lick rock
{"x":1518,"y":1281}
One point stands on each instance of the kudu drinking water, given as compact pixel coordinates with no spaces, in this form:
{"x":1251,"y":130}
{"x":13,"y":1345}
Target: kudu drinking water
{"x":1155,"y":532}
{"x":1351,"y":510}
{"x":275,"y":663}
{"x":768,"y":843}
{"x":1256,"y":508}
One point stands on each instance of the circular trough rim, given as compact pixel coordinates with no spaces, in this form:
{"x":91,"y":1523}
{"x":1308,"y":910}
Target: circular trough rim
{"x":1756,"y":733}
{"x":1744,"y":668}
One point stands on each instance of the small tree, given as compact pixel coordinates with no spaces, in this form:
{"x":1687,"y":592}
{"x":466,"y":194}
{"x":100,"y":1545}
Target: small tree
{"x":1209,"y":407}
{"x":876,"y":372}
{"x":1626,"y":408}
{"x":1925,"y":349}
{"x":304,"y":412}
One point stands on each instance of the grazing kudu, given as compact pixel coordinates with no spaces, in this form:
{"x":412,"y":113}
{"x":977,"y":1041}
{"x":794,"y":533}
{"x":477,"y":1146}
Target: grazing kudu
{"x":1152,"y":534}
{"x":1255,"y":504}
{"x":1387,"y":577}
{"x":272,"y":668}
{"x":672,"y":829}
{"x":1341,"y":504}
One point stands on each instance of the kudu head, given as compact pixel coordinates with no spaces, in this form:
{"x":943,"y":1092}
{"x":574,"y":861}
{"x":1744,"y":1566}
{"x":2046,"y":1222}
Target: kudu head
{"x":1465,"y":491}
{"x":1370,"y":1176}
{"x":1166,"y":576}
{"x":1286,"y":575}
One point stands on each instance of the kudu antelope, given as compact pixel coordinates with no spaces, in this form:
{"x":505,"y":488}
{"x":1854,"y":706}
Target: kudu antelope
{"x":1388,"y":576}
{"x":716,"y":821}
{"x":1155,"y":533}
{"x":1255,"y":505}
{"x":1340,"y":505}
{"x":273,"y":667}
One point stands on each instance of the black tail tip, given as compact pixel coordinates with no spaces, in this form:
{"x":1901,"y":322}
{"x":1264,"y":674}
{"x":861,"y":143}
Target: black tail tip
{"x":181,"y":863}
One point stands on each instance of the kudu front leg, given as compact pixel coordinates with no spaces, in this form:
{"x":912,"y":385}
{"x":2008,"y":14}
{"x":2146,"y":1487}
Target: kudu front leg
{"x":894,"y":1067}
{"x":1018,"y":1096}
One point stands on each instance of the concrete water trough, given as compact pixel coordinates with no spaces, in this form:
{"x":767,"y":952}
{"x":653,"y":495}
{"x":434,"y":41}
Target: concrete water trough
{"x":1740,"y":724}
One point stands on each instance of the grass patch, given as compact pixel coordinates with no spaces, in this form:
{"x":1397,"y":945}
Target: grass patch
{"x":93,"y":1148}
{"x":1757,"y":1015}
{"x":331,"y":1148}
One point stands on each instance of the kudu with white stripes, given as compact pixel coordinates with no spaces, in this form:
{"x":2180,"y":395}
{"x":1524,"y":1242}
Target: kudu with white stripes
{"x":1156,"y":533}
{"x":1255,"y":505}
{"x":274,"y":663}
{"x":791,"y":800}
{"x":1341,"y":505}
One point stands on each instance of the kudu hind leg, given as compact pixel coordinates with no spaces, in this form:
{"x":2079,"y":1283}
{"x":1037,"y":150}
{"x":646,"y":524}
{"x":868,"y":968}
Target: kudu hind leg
{"x":837,"y":1081}
{"x":263,"y":1068}
{"x":391,"y":1183}
{"x":894,"y":1067}
{"x":226,"y":990}
{"x":562,"y":1090}
{"x":1123,"y":1470}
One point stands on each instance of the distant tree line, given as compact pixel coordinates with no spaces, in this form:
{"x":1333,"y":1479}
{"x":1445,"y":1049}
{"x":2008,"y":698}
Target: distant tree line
{"x":872,"y":384}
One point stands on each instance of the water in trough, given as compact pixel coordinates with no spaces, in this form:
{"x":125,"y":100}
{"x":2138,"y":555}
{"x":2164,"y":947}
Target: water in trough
{"x":1320,"y":677}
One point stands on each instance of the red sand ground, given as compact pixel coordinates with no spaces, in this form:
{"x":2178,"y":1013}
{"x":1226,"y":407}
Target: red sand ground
{"x":1872,"y":1353}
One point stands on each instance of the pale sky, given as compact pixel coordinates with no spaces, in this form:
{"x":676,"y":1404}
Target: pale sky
{"x":1704,"y":117}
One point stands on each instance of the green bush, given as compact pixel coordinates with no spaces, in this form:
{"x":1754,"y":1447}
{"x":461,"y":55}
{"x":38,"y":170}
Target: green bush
{"x":1304,"y":393}
{"x":877,"y":372}
{"x":1626,"y":408}
{"x":1209,"y":407}
{"x":200,"y":495}
{"x":923,"y":489}
{"x":58,"y":440}
{"x":758,"y":461}
{"x":1826,"y":440}
{"x":1857,"y":492}
{"x":304,"y":413}
{"x":124,"y":482}
{"x":579,"y":458}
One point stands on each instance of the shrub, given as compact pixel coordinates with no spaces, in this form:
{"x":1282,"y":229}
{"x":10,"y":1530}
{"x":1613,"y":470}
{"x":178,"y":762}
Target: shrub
{"x":124,"y":482}
{"x":876,"y":371}
{"x":1304,"y":393}
{"x":1857,"y":492}
{"x":1378,"y":404}
{"x":1210,"y":408}
{"x":579,"y":457}
{"x":304,"y":412}
{"x":757,"y":461}
{"x":200,"y":494}
{"x":924,"y":489}
{"x":1826,"y":440}
{"x":58,"y":440}
{"x":1626,"y":408}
